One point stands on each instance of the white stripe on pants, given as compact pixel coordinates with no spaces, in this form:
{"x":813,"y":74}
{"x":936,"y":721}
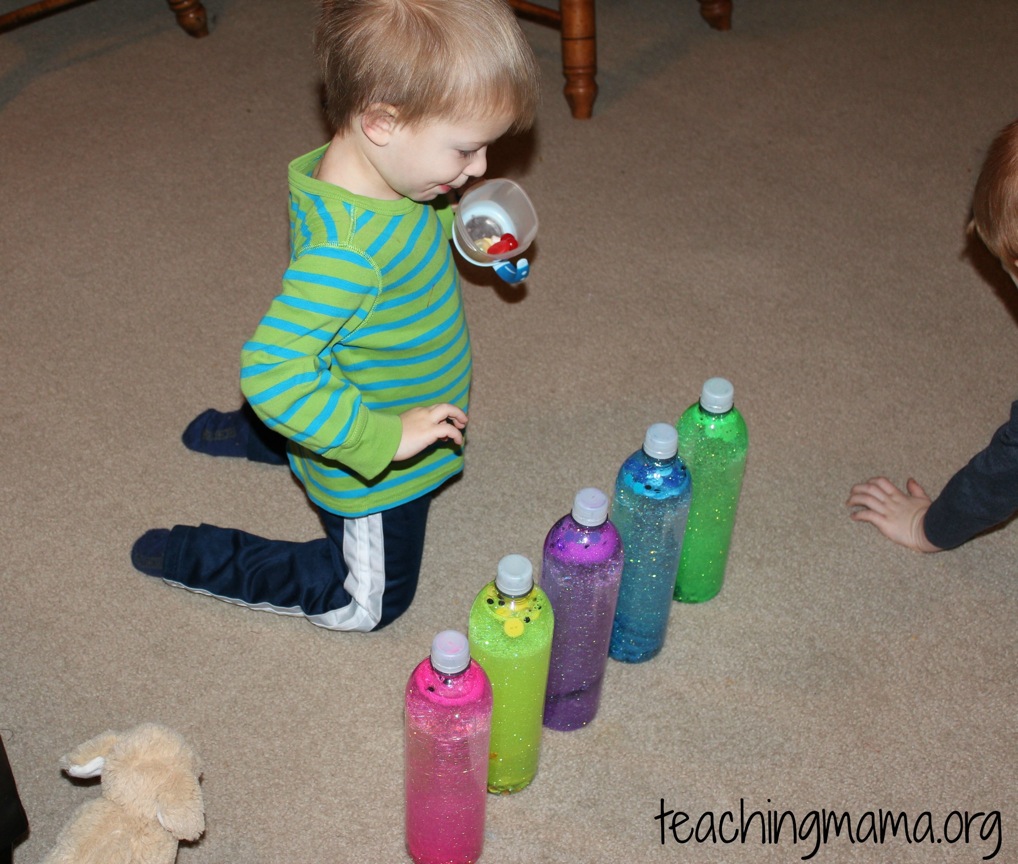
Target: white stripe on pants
{"x":364,"y":553}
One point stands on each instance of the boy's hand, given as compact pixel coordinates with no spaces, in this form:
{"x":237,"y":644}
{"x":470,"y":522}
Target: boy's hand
{"x":897,"y":515}
{"x":422,"y":427}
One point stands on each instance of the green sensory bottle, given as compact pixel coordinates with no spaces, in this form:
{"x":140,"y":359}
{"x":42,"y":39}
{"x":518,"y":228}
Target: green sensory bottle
{"x":510,"y":630}
{"x":713,"y":442}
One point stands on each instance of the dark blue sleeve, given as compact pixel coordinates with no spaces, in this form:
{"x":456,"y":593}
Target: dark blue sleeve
{"x":981,"y":495}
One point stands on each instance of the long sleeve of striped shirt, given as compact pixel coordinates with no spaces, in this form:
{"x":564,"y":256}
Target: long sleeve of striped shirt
{"x":288,"y":371}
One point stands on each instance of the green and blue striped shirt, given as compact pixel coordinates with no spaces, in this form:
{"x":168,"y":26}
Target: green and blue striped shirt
{"x":369,"y":323}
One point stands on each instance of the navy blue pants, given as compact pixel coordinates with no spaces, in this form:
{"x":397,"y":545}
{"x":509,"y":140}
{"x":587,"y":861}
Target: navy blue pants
{"x":361,"y":576}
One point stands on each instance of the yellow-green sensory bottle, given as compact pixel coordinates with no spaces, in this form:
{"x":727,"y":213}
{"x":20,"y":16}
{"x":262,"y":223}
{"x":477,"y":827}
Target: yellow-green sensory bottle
{"x":510,"y":631}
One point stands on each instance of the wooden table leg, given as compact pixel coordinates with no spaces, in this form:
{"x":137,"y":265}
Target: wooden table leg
{"x":579,"y":56}
{"x":717,"y":13}
{"x":191,"y":16}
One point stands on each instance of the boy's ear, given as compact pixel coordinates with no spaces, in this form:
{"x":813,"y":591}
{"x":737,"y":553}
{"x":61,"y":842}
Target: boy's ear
{"x":378,"y":123}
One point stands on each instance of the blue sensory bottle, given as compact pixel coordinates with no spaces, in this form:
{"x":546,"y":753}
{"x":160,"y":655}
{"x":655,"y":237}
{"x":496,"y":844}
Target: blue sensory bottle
{"x":649,"y":508}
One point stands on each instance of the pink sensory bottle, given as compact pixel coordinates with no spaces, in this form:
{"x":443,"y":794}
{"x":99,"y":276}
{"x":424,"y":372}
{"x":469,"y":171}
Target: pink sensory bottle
{"x":447,"y":733}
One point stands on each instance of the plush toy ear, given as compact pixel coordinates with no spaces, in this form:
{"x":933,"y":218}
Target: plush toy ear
{"x":88,"y":759}
{"x":92,"y":768}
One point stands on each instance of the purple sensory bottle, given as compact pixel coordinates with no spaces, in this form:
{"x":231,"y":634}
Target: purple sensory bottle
{"x":447,"y":734}
{"x":580,"y":573}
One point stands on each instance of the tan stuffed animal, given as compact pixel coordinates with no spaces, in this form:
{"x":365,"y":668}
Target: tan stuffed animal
{"x":151,"y":799}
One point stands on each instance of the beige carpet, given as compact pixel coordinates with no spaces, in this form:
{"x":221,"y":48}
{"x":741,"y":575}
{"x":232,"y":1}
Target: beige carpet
{"x":782,"y":204}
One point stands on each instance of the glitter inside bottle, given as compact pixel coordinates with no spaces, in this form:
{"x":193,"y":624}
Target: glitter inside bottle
{"x":511,"y":627}
{"x":580,"y":573}
{"x":713,"y":442}
{"x":649,"y":509}
{"x":448,"y":708}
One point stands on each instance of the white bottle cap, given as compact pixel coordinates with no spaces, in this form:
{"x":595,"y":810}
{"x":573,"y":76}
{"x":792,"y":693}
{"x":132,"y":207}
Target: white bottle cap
{"x":450,"y":652}
{"x":515,"y":576}
{"x":717,"y":395}
{"x":590,"y":507}
{"x":661,"y":441}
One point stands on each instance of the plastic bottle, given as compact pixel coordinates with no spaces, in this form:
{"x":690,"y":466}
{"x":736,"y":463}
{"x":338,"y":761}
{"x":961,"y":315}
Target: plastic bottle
{"x":447,"y":732}
{"x":713,"y":442}
{"x":511,"y":627}
{"x":649,"y":509}
{"x":580,"y":573}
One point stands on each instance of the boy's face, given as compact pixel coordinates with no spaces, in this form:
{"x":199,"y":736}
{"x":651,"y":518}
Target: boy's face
{"x":423,"y":161}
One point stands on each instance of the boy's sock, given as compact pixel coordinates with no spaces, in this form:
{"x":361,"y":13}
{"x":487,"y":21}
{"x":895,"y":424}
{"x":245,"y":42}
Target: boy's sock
{"x":149,"y":550}
{"x":217,"y":433}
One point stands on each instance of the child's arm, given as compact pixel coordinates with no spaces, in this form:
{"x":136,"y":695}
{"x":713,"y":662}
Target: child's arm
{"x":898,"y":515}
{"x":980,"y":496}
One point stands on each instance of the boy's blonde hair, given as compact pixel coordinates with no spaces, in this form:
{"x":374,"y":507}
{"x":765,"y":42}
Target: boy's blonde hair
{"x":430,"y":59}
{"x":995,"y":200}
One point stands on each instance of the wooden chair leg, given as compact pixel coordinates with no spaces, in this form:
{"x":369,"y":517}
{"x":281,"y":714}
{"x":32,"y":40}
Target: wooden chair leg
{"x":33,"y":12}
{"x":717,"y":13}
{"x":191,"y":16}
{"x":579,"y":56}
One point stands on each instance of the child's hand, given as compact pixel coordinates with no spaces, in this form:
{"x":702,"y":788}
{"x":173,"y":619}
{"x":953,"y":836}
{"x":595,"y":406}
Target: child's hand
{"x":897,"y":515}
{"x":422,"y":427}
